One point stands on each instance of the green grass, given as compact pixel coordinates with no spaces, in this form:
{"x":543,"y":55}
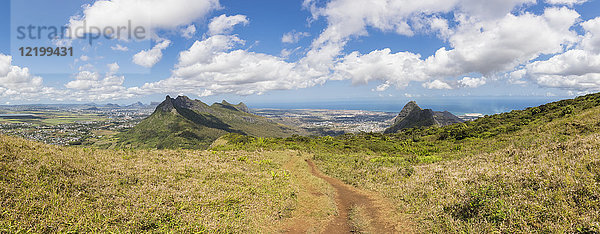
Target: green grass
{"x":165,"y":130}
{"x":530,"y":171}
{"x":54,"y":118}
{"x":69,"y":119}
{"x":536,"y":180}
{"x":526,"y":171}
{"x":63,"y":189}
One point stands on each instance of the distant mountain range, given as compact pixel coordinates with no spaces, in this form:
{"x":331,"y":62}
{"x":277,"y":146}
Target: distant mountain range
{"x":192,"y":124}
{"x":137,"y":105}
{"x":412,"y":116}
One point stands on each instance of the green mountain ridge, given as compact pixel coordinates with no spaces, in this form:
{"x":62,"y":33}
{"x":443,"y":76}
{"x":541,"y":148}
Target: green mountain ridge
{"x":191,"y":124}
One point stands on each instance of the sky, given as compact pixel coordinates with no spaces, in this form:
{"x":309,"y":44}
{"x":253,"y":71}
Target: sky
{"x":270,"y":52}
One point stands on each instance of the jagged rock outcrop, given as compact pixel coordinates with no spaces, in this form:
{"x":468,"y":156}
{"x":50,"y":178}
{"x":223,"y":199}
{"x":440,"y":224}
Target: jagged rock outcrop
{"x":410,"y":106}
{"x":446,"y":118}
{"x":412,"y":116}
{"x":242,"y":107}
{"x":166,"y":105}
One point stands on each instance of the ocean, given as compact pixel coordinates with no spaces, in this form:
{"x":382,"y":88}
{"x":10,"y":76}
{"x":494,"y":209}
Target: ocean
{"x":455,"y":105}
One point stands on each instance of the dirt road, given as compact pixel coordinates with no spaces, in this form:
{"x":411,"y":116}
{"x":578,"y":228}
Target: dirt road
{"x":373,"y":215}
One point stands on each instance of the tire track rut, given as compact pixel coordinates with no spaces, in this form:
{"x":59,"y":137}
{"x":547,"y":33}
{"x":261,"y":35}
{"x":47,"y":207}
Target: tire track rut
{"x":346,"y":198}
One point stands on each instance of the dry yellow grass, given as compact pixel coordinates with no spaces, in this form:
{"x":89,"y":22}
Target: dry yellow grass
{"x":316,"y":205}
{"x":60,"y":189}
{"x":360,"y":222}
{"x":542,"y":179}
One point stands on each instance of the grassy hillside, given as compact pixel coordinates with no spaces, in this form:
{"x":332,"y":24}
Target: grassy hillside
{"x":64,"y":189}
{"x":251,"y":124}
{"x":183,"y":123}
{"x":166,"y":131}
{"x":535,"y":170}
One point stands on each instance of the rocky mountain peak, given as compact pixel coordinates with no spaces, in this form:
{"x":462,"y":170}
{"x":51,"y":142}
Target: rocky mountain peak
{"x":180,"y":102}
{"x":167,"y":105}
{"x":409,"y":107}
{"x":198,"y":124}
{"x":185,"y":102}
{"x":412,"y":116}
{"x":242,"y":107}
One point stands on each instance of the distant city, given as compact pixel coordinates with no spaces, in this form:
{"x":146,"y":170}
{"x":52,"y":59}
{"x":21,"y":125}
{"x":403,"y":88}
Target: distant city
{"x":93,"y":124}
{"x":70,"y":124}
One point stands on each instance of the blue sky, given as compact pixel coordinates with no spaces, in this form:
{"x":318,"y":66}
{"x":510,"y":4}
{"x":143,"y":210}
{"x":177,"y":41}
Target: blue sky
{"x":336,"y":51}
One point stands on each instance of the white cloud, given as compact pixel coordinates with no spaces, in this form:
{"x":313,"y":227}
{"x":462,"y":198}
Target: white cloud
{"x":84,"y":80}
{"x":148,"y":58}
{"x":5,"y":65}
{"x":486,"y":39}
{"x":573,"y":62}
{"x":441,"y":26}
{"x":91,"y":86}
{"x":436,"y":84}
{"x":84,"y":58}
{"x":119,"y":47}
{"x":382,"y":87}
{"x":485,"y":48}
{"x":565,"y":2}
{"x":113,"y":68}
{"x":189,"y":31}
{"x":205,"y":51}
{"x":574,"y":69}
{"x":223,"y":24}
{"x":472,"y":82}
{"x":150,"y":14}
{"x":285,"y":53}
{"x":62,"y":42}
{"x":408,"y":95}
{"x":591,"y":39}
{"x":17,"y":83}
{"x":498,"y":46}
{"x":347,"y":18}
{"x":16,"y":78}
{"x":211,"y":67}
{"x":293,"y":36}
{"x":516,"y":77}
{"x":381,"y":65}
{"x":490,"y":9}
